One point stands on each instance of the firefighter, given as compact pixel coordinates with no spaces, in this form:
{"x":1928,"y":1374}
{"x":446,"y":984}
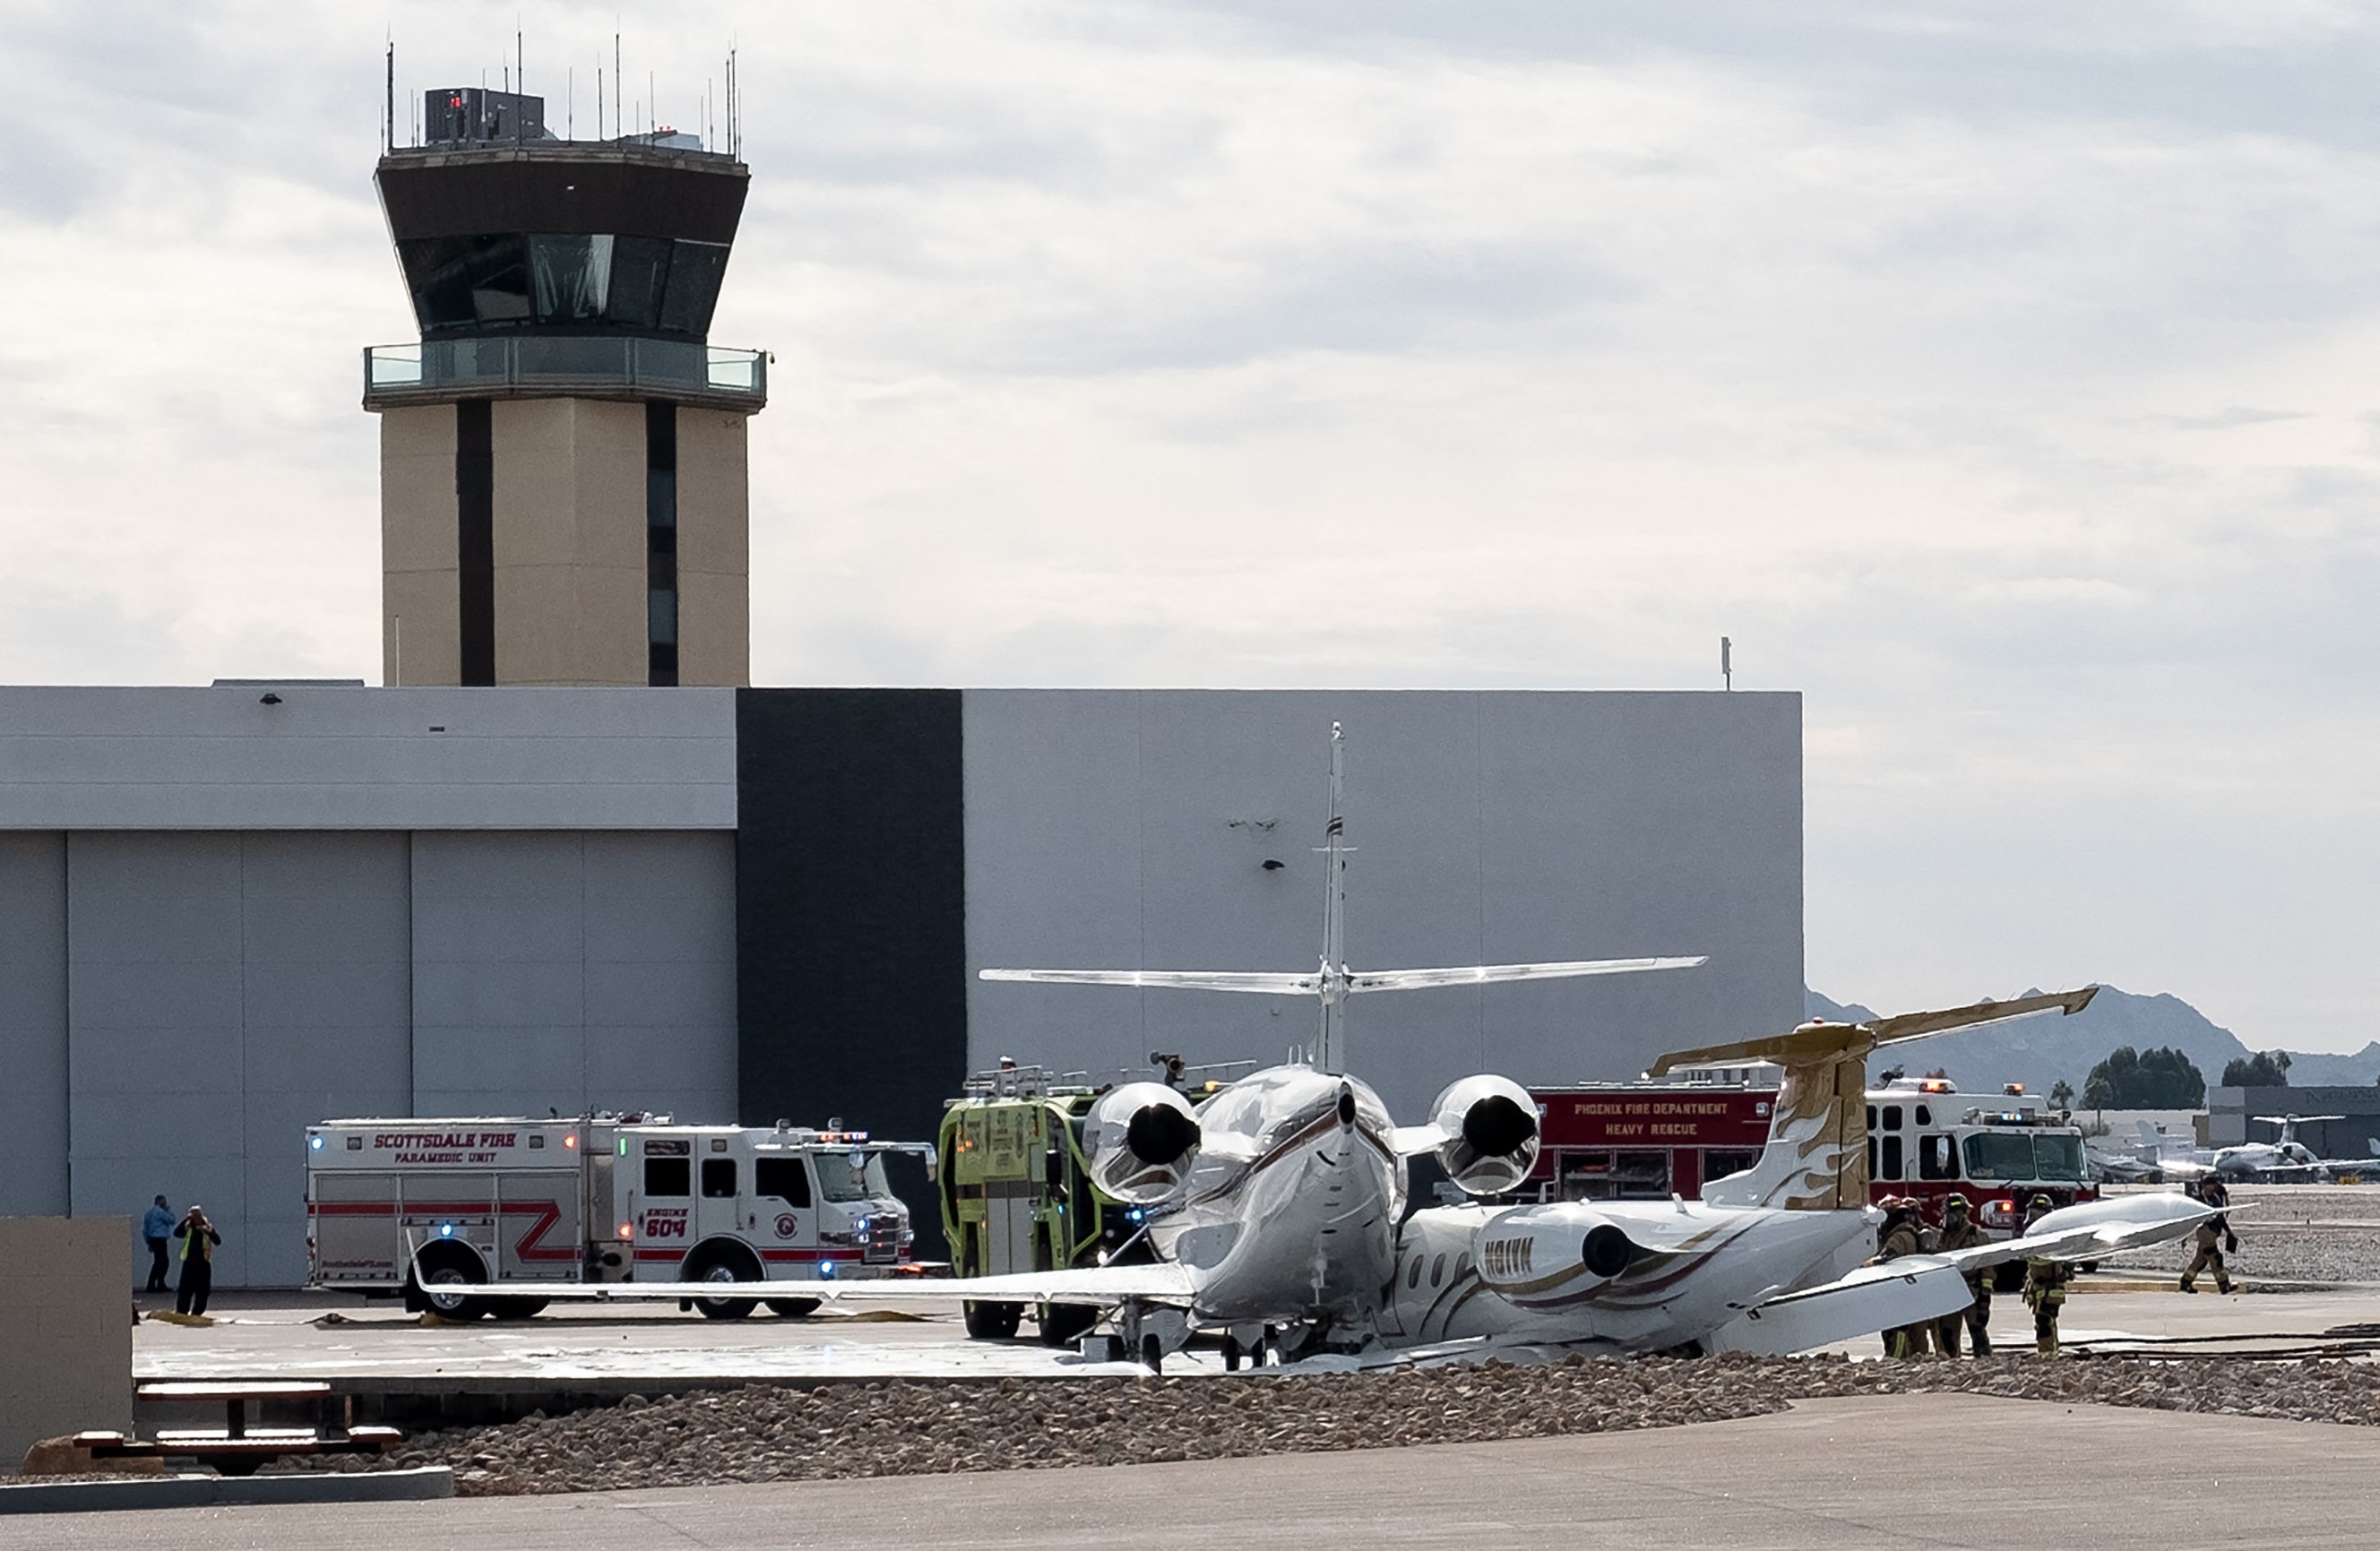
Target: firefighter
{"x":1959,"y":1233}
{"x":1896,"y":1237}
{"x":2044,"y":1286}
{"x":2214,"y":1236}
{"x":199,"y":1240}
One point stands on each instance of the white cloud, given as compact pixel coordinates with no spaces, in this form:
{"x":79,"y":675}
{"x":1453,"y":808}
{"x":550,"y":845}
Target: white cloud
{"x":1998,"y":377}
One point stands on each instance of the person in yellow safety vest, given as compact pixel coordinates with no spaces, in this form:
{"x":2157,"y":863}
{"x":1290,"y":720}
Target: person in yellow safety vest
{"x":2214,"y":1236}
{"x":1897,"y":1237}
{"x":1961,"y":1231}
{"x":2044,"y":1286}
{"x":197,"y":1256}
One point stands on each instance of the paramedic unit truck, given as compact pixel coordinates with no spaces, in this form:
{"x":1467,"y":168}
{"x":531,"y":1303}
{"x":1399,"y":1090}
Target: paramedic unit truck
{"x":423,"y":1209}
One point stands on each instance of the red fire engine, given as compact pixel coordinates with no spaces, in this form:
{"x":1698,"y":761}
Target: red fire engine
{"x":1643,"y":1140}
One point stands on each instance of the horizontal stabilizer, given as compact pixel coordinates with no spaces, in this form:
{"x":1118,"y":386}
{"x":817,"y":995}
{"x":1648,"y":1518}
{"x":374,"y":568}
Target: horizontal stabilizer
{"x":2086,"y":1231}
{"x":1871,"y":1299}
{"x":1817,"y":1041}
{"x":1255,"y":982}
{"x":1491,"y":975}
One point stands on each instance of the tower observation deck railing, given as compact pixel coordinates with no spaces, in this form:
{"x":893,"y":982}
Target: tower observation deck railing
{"x":572,"y":365}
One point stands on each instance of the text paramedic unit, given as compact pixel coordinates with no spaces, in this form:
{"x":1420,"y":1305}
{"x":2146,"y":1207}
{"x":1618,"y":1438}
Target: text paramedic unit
{"x":423,"y":1209}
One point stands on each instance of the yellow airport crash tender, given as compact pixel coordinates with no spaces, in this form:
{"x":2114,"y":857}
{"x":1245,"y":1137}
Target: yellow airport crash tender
{"x":424,"y":1209}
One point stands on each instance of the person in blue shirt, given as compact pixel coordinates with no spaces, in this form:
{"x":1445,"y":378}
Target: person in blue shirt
{"x":157,"y":1227}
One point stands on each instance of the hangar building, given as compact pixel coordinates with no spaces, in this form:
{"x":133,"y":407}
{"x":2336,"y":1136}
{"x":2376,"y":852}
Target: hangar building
{"x":227,"y":912}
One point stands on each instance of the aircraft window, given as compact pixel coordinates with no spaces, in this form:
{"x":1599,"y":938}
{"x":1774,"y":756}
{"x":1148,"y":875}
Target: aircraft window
{"x":1892,"y":1117}
{"x":1925,"y":1116}
{"x":1413,"y":1278}
{"x":1461,"y":1265}
{"x":719,"y":1178}
{"x":1937,"y":1158}
{"x":667,"y":1176}
{"x":785,"y":1179}
{"x":1438,"y":1270}
{"x":1892,"y":1158}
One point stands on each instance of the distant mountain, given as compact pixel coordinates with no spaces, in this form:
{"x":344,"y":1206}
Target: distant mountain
{"x":2039,"y":1051}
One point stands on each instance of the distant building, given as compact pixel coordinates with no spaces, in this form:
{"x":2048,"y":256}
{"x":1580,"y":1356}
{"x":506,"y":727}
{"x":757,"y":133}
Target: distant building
{"x":2229,"y":1110}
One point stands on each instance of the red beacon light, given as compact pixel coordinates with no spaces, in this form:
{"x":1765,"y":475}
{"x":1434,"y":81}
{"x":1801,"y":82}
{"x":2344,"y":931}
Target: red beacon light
{"x":1936,"y":1085}
{"x":2014,"y":1090}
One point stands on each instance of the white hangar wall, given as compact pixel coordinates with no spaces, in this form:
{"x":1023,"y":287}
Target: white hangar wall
{"x":1130,"y":829}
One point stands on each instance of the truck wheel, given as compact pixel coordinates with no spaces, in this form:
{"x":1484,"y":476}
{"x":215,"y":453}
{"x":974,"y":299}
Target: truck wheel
{"x":723,"y":1267}
{"x":1065,"y":1324}
{"x":792,"y":1308}
{"x":440,"y":1272}
{"x":991,"y":1322}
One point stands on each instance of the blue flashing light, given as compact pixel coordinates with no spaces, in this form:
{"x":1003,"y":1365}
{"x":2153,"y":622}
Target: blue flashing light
{"x":826,"y":1270}
{"x":315,"y":1143}
{"x":445,"y":1230}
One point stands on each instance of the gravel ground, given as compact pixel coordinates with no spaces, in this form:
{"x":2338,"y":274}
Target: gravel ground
{"x":763,"y":1433}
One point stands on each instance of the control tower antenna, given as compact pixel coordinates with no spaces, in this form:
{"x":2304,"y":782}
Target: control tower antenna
{"x":388,"y":123}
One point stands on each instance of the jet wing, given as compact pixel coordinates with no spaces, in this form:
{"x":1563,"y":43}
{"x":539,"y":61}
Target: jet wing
{"x":2087,"y":1232}
{"x":1163,"y":1282}
{"x":1871,"y":1299}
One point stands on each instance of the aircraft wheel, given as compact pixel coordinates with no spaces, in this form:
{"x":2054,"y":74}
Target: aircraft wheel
{"x":515,"y":1308}
{"x":792,"y":1308}
{"x":1152,"y":1355}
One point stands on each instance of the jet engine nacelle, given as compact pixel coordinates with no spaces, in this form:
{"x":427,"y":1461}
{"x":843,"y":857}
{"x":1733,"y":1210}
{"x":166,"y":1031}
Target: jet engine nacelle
{"x":1490,"y":1125}
{"x":1534,"y":1246}
{"x":1141,"y":1139}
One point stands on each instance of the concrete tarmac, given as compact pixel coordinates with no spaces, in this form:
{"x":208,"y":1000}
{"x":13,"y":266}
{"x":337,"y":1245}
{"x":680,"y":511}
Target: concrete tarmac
{"x":1830,"y":1475}
{"x":283,"y":1334}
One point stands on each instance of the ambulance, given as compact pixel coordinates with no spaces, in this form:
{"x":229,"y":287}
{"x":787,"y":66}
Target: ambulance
{"x":425,"y":1209}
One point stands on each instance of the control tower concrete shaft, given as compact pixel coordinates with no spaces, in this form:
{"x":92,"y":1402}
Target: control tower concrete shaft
{"x":563,"y":497}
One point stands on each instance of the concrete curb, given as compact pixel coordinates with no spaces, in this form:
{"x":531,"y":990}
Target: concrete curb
{"x":217,"y":1491}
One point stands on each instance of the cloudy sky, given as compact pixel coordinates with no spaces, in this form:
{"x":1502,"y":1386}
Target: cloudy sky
{"x":2000,"y":376}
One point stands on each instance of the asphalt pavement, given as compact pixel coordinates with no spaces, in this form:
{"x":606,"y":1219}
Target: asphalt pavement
{"x":1832,"y":1475}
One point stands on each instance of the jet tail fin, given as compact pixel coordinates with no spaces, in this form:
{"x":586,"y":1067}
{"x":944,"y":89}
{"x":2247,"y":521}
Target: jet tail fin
{"x":1816,"y":1155}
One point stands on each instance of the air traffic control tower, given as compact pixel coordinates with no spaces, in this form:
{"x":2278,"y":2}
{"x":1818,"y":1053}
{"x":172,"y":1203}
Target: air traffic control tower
{"x":562,"y":489}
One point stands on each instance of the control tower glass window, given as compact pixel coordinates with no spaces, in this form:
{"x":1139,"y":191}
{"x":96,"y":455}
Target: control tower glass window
{"x":569,"y":280}
{"x":573,"y":277}
{"x":463,"y":283}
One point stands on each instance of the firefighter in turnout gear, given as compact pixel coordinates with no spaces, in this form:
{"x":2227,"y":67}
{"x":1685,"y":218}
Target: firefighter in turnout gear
{"x":1898,"y":1235}
{"x":1959,"y":1233}
{"x":2214,"y":1236}
{"x":2044,"y":1286}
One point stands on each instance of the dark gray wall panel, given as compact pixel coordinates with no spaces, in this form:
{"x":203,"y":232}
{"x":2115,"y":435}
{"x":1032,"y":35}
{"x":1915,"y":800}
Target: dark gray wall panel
{"x":851,"y":916}
{"x":33,"y":1022}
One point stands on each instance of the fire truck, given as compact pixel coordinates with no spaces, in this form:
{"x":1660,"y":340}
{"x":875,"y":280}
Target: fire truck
{"x":1924,"y":1139}
{"x":1017,"y":1193}
{"x":424,"y":1209}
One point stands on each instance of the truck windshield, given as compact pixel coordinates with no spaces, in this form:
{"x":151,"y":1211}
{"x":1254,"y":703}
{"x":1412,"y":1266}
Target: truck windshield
{"x":2059,"y":1158}
{"x":850,"y":1176}
{"x":2020,"y":1154}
